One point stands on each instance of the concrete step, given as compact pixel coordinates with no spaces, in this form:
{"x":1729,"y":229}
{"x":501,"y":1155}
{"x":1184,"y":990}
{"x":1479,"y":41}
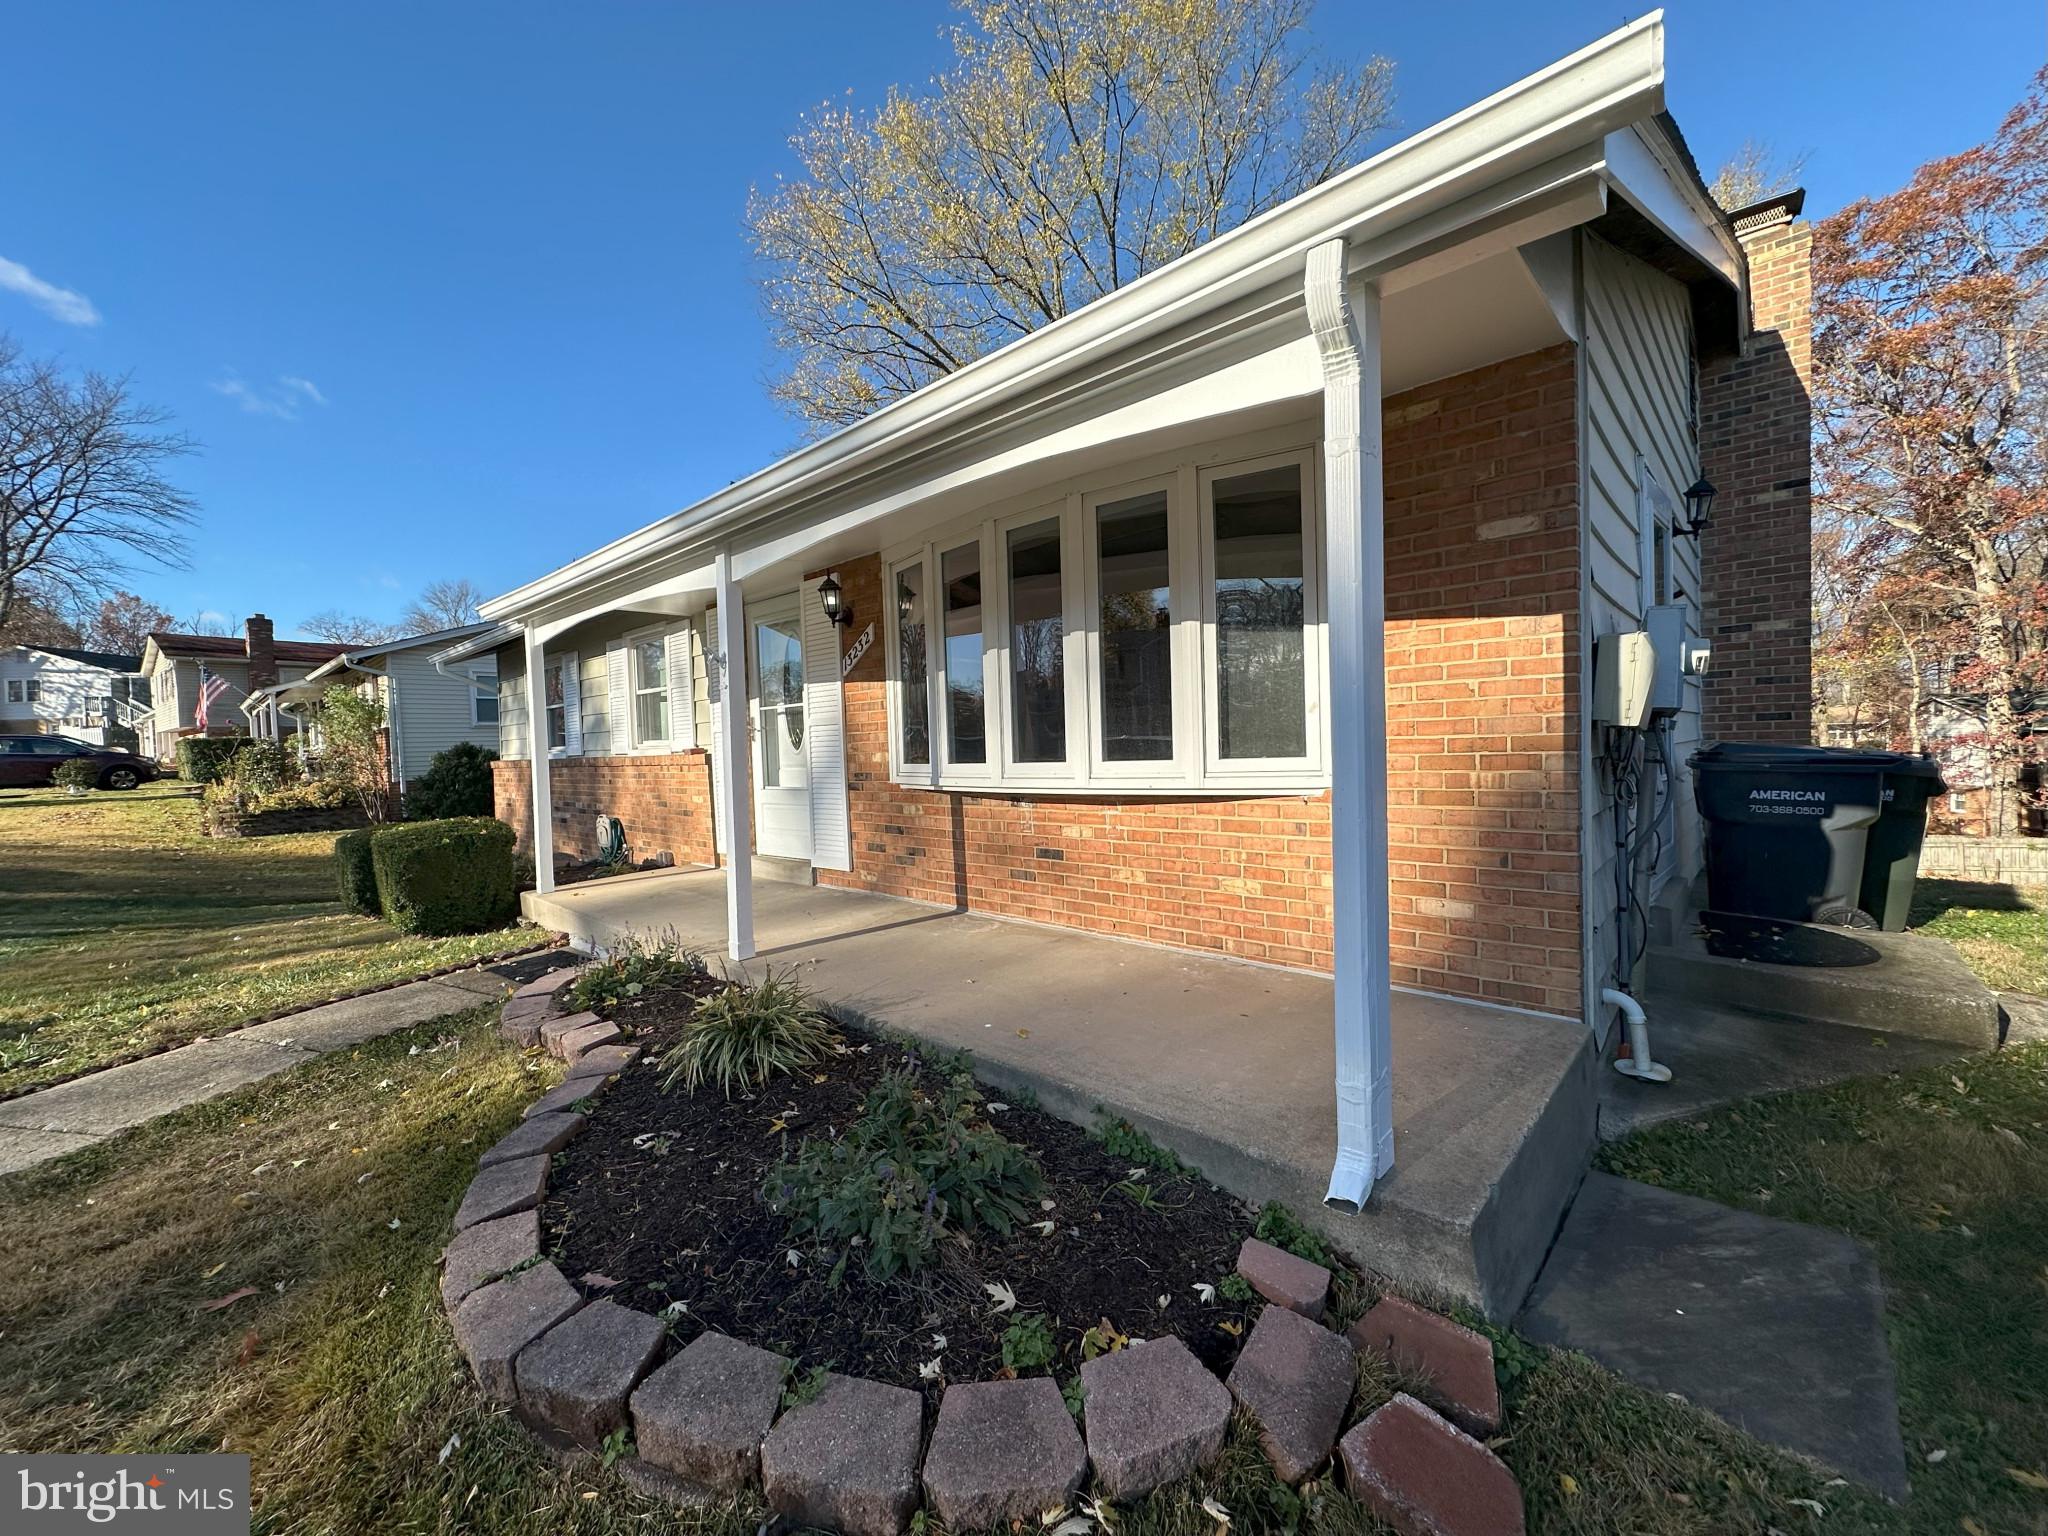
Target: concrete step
{"x":1900,"y":983}
{"x":784,"y":871}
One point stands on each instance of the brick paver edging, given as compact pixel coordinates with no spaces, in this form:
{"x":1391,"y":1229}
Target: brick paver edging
{"x":853,"y":1455}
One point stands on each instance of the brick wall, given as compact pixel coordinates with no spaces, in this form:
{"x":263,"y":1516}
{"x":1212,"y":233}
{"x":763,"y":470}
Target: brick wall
{"x":664,"y":800}
{"x":1482,"y":559}
{"x":1756,"y":429}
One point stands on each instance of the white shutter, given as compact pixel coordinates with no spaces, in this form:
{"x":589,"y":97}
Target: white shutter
{"x":618,"y":689}
{"x":824,"y":735}
{"x":714,"y":688}
{"x":682,"y":713}
{"x":572,"y":705}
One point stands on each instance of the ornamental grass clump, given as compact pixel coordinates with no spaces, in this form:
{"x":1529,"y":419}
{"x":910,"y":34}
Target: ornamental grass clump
{"x":742,"y":1036}
{"x":919,"y":1162}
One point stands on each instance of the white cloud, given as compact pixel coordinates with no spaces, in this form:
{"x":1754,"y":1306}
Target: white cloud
{"x":282,"y":399}
{"x":58,"y":303}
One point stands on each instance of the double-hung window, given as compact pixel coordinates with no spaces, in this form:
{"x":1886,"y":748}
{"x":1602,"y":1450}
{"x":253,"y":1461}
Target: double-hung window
{"x":1159,"y":634}
{"x":557,"y":704}
{"x":649,"y":674}
{"x":483,"y":701}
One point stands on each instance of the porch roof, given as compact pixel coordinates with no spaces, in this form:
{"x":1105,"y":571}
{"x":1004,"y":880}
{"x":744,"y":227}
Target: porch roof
{"x":1228,"y":1063}
{"x":1555,"y":141}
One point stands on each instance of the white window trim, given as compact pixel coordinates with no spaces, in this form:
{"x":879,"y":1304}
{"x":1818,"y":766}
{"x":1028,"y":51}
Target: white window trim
{"x":1192,"y":769}
{"x":16,"y":693}
{"x":982,"y":772}
{"x":629,"y":729}
{"x":1252,"y":771}
{"x":572,"y":702}
{"x":479,"y":689}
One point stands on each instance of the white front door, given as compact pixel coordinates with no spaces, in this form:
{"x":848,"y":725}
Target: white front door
{"x":775,"y":692}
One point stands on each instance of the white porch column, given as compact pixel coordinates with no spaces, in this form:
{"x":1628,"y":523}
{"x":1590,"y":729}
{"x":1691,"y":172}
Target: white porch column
{"x":732,"y":765}
{"x":537,"y":756}
{"x":1346,"y":321}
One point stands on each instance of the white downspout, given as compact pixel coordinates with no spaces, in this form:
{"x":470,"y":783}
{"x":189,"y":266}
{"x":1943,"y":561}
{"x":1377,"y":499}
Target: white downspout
{"x":733,"y":754}
{"x":1346,"y":322}
{"x":1637,"y":1063}
{"x":537,"y":756}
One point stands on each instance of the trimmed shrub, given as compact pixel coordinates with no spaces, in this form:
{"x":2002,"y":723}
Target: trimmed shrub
{"x":356,"y":874}
{"x":456,"y":783}
{"x":78,"y":775}
{"x":441,"y":877}
{"x":203,"y":759}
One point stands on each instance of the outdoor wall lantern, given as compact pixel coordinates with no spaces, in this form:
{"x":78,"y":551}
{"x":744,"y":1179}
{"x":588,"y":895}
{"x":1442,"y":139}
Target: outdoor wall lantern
{"x":1699,"y":502}
{"x":832,"y":597}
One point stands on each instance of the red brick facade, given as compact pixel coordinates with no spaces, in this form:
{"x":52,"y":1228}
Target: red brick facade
{"x":1756,"y":428}
{"x":1482,"y":566}
{"x":664,"y":801}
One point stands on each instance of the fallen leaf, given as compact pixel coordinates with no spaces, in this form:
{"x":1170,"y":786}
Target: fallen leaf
{"x":220,"y":1302}
{"x":597,"y":1282}
{"x":939,"y":1342}
{"x":1233,"y":1329}
{"x":1045,"y":1228}
{"x":1205,"y":1293}
{"x":1216,"y":1512}
{"x":2028,"y":1479}
{"x":1568,"y":1485}
{"x":1819,"y":1509}
{"x":454,"y":1441}
{"x":929,"y":1370}
{"x":777,"y":1124}
{"x":1023,"y":1034}
{"x":1005,"y":1299}
{"x":251,"y":1342}
{"x":1936,"y":1456}
{"x":1972,"y":1528}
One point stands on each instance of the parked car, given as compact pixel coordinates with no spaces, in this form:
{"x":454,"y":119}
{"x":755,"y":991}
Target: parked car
{"x":29,"y":762}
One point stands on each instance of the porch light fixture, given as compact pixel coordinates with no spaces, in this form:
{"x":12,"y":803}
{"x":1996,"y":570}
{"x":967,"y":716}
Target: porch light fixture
{"x":1699,"y":502}
{"x":832,"y":597}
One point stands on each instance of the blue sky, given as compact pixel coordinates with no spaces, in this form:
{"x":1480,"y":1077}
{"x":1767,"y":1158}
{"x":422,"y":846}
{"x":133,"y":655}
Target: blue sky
{"x":462,"y":290}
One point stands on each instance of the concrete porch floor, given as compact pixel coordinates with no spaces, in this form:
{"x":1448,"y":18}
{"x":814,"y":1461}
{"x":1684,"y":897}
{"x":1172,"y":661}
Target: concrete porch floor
{"x":1229,"y":1064}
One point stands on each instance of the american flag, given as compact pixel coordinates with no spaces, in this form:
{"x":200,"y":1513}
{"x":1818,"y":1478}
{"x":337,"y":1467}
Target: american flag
{"x":211,"y":688}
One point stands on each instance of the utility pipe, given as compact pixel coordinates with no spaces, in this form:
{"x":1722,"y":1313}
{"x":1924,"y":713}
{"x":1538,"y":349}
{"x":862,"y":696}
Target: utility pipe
{"x":1637,"y":1062}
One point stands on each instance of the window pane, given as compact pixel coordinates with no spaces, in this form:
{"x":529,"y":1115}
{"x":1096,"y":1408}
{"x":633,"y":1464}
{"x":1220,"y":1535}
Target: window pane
{"x":1261,"y":618}
{"x":966,"y":735}
{"x":1038,"y":673}
{"x":558,"y":716}
{"x":486,"y":709}
{"x":650,"y":691}
{"x":914,"y":703}
{"x":1137,"y":630}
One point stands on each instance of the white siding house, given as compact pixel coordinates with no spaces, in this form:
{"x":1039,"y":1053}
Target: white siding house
{"x":57,"y":691}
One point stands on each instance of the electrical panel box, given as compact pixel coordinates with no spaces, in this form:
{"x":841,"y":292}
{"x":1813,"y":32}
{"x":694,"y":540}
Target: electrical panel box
{"x":1682,"y":657}
{"x":1624,"y":668}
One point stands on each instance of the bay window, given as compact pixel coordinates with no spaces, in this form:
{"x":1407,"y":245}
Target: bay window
{"x":1161,"y":635}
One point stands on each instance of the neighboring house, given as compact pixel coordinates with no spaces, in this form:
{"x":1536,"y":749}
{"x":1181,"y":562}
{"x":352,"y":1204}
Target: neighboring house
{"x":81,"y":694}
{"x":245,"y":664}
{"x":426,"y":710}
{"x":1253,"y":607}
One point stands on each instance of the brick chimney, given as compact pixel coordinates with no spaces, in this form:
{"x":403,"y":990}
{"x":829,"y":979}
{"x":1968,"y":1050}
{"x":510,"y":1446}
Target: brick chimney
{"x":262,"y":648}
{"x":1756,"y":446}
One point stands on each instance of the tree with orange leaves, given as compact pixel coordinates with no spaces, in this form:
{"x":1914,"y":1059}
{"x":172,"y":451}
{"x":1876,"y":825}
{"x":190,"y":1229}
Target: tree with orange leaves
{"x":1930,"y":360}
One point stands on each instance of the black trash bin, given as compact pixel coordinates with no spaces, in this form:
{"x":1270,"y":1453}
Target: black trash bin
{"x":1891,"y":857}
{"x":1788,"y":829}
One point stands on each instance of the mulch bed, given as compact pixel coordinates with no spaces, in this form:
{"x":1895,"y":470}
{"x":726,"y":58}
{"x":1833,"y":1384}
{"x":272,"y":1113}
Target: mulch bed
{"x":662,"y":1195}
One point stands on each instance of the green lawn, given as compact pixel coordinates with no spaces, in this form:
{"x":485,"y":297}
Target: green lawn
{"x":1945,"y":1173}
{"x":327,"y":1191}
{"x":123,"y":929}
{"x":2000,"y":930}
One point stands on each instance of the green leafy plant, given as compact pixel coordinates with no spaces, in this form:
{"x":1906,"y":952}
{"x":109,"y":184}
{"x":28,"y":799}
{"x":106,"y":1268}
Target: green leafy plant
{"x":918,"y":1161}
{"x":77,"y":774}
{"x":632,"y":966}
{"x":203,"y":759}
{"x":742,"y":1036}
{"x":441,"y":877}
{"x":1123,"y":1139}
{"x":1234,"y":1287}
{"x":1138,"y":1192}
{"x":616,"y":1444}
{"x":457,"y":783}
{"x":1072,"y":1394}
{"x":353,"y":725}
{"x":804,"y":1387}
{"x":1027,"y":1343}
{"x":1283,"y":1229}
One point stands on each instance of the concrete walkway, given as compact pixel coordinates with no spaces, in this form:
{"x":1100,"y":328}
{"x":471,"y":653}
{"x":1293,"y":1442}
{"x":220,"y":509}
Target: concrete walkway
{"x":1231,"y":1065}
{"x":53,"y":1121}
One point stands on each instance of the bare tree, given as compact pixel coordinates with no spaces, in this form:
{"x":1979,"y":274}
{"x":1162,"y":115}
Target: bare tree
{"x":1754,"y":172}
{"x":81,"y":481}
{"x":207,"y":622}
{"x":1074,"y":146}
{"x":347,"y":628}
{"x":123,"y":622}
{"x":445,"y":604}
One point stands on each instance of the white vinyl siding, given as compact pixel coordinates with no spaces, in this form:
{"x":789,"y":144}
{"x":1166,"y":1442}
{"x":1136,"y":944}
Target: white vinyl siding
{"x":433,"y":711}
{"x":1638,"y":388}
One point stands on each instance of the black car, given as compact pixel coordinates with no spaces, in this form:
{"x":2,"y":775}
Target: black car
{"x":29,"y":762}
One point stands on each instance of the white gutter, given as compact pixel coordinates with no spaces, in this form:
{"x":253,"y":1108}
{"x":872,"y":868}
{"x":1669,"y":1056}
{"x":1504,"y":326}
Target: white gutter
{"x":1603,"y":87}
